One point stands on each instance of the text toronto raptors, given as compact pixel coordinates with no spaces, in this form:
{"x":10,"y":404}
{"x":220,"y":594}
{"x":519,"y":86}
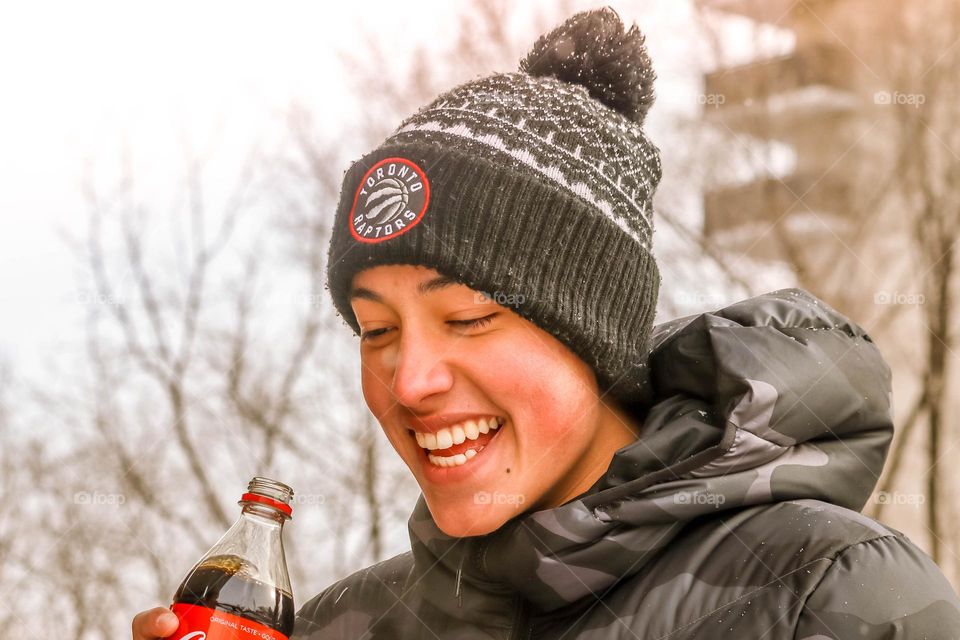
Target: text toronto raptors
{"x":409,"y":179}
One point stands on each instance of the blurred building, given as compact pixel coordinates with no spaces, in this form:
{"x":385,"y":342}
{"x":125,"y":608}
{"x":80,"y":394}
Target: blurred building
{"x":865,"y":106}
{"x":818,"y":100}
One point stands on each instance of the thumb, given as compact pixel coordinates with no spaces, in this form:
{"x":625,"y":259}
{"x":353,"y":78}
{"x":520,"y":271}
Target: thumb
{"x":156,"y":623}
{"x":166,"y":623}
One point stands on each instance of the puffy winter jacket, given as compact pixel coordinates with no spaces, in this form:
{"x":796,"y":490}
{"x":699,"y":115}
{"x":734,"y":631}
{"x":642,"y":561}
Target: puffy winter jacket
{"x":734,"y":515}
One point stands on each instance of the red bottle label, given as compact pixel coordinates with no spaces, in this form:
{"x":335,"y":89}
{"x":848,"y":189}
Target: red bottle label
{"x":201,"y":623}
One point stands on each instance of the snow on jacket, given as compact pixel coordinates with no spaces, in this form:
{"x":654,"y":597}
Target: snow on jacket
{"x":734,"y":515}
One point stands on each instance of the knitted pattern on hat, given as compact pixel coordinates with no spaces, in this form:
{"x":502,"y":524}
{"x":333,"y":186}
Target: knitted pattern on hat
{"x":555,"y":130}
{"x":531,"y":189}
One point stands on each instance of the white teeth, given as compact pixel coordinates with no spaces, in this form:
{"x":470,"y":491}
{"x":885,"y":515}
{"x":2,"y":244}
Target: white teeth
{"x":457,"y":434}
{"x":444,"y":439}
{"x":471,"y":430}
{"x":452,"y":461}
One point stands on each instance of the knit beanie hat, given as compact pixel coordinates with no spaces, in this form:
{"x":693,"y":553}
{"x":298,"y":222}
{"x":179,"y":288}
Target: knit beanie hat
{"x":533,"y":187}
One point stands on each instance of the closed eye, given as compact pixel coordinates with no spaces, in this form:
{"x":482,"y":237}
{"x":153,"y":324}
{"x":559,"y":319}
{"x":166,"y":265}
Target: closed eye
{"x":369,"y":335}
{"x":473,"y":323}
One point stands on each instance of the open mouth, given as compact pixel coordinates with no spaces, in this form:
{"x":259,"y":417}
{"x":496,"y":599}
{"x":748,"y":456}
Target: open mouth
{"x":455,"y":446}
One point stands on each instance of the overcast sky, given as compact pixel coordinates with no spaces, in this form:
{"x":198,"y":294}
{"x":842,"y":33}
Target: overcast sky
{"x":77,"y":75}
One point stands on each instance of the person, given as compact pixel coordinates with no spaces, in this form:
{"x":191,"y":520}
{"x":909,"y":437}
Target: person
{"x":584,"y":473}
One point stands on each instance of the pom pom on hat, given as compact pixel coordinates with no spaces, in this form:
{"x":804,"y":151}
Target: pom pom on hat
{"x":591,"y":49}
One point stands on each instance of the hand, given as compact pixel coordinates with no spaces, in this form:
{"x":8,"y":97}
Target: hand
{"x":155,"y":623}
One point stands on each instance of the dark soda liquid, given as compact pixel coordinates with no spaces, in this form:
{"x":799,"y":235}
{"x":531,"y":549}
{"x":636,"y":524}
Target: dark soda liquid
{"x":218,"y":583}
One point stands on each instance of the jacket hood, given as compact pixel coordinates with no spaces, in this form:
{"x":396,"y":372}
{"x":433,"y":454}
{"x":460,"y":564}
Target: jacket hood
{"x":775,"y":398}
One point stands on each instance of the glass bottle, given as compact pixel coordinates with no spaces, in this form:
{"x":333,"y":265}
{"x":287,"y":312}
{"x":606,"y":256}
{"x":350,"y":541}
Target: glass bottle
{"x":241,"y":588}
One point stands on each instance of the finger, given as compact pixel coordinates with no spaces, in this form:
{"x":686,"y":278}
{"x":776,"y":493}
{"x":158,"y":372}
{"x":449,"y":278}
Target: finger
{"x":159,"y":622}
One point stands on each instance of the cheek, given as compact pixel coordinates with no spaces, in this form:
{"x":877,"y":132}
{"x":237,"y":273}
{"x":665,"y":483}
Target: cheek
{"x":549,"y":391}
{"x":376,"y":373}
{"x":557,"y":407}
{"x":375,"y":392}
{"x":385,"y":360}
{"x":380,"y":402}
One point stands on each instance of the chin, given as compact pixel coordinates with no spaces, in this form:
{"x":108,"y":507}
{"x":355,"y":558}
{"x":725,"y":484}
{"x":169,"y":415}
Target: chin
{"x":478,"y":520}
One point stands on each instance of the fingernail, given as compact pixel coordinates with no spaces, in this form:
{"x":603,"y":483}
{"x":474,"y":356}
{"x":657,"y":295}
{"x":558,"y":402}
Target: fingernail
{"x":167,"y":619}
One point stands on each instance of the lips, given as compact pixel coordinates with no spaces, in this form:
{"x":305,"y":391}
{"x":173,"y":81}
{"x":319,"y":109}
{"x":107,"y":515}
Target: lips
{"x":441,"y":434}
{"x":465,"y":454}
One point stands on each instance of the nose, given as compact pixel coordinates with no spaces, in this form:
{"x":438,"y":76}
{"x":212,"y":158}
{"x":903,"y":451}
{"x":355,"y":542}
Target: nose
{"x":421,"y":370}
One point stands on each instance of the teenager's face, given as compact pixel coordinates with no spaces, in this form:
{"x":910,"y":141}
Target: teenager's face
{"x":493,"y":415}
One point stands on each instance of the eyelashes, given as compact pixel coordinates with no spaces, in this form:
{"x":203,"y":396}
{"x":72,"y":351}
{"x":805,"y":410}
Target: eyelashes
{"x":367,"y":335}
{"x":473,"y":323}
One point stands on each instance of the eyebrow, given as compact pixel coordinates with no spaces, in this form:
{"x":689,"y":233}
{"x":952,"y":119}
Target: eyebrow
{"x":429,"y":286}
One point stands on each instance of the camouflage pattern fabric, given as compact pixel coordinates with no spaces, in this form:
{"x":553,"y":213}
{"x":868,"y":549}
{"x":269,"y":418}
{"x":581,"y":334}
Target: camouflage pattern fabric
{"x":734,"y":515}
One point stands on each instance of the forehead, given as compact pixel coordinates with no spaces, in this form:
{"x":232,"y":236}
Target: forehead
{"x":368,"y":284}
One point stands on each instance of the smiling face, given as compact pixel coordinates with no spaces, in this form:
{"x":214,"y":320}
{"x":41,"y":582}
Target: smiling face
{"x":493,"y":415}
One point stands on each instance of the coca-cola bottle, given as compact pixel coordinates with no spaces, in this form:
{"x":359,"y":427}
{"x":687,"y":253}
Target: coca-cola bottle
{"x":241,"y":589}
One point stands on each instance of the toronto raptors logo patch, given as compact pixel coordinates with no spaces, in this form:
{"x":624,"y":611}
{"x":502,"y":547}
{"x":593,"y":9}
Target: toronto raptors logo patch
{"x":391,"y":199}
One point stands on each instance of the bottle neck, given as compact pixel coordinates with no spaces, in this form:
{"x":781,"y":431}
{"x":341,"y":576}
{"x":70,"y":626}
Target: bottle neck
{"x":256,"y":537}
{"x":263,"y":515}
